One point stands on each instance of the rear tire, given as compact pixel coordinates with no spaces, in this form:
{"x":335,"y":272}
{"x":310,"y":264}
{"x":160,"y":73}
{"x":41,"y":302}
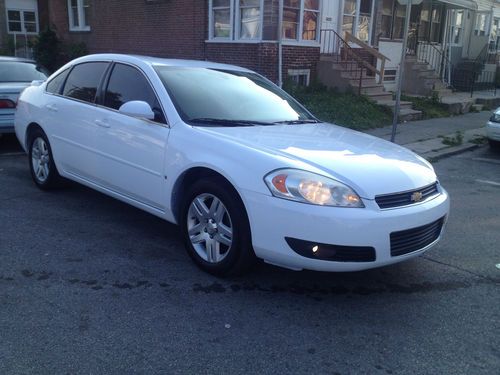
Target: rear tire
{"x":495,"y":145}
{"x":216,"y":230}
{"x":42,"y":167}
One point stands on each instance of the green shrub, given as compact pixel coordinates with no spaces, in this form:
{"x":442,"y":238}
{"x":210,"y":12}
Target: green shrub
{"x":46,"y":50}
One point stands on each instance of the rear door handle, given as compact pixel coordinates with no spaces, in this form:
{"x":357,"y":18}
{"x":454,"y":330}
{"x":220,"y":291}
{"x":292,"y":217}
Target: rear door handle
{"x":51,"y":107}
{"x":102,"y":123}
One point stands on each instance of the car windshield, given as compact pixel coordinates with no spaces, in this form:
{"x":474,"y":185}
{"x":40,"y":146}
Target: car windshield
{"x":17,"y":71}
{"x":213,"y":97}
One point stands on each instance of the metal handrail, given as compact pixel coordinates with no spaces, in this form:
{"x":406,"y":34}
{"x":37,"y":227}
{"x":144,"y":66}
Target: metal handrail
{"x":343,"y":54}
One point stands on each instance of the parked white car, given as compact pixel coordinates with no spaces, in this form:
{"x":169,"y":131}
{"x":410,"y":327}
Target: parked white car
{"x":244,"y":169}
{"x":493,"y":129}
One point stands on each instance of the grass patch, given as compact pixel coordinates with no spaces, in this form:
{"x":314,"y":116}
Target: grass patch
{"x":346,"y":109}
{"x":454,"y":140}
{"x":431,"y":107}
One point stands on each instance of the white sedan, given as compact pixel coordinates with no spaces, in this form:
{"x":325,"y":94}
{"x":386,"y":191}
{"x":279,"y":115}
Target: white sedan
{"x":244,"y":169}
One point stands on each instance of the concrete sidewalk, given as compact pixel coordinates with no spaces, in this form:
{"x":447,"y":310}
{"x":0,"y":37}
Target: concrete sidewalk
{"x":426,"y":137}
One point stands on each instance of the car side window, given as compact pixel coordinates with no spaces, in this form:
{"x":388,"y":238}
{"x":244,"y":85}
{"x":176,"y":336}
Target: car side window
{"x":54,"y":85}
{"x":126,"y":83}
{"x":83,"y":81}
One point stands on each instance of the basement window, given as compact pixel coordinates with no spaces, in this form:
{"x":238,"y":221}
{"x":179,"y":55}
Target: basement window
{"x":301,"y":77}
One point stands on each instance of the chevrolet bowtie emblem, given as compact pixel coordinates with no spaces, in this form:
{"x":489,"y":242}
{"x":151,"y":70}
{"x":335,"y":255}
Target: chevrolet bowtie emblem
{"x":416,"y":196}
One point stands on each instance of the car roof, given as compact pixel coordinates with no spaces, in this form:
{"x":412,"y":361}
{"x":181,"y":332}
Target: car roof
{"x":18,"y":59}
{"x":158,"y":61}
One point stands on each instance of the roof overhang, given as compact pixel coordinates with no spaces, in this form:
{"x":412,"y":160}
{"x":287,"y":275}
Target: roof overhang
{"x":461,"y":4}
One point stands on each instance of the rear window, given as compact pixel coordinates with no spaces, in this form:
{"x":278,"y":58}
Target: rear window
{"x":16,"y":71}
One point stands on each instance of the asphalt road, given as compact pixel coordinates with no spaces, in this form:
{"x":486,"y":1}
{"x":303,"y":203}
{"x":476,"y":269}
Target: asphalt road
{"x":89,"y":285}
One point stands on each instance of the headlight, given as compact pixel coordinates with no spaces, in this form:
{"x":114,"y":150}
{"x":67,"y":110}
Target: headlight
{"x":495,"y":117}
{"x":307,"y":187}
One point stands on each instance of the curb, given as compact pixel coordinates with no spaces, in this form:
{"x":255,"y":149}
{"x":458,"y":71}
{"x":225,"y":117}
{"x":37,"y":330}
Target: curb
{"x":450,"y":151}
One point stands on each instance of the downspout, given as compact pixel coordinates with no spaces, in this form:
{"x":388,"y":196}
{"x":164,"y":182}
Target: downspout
{"x":280,"y":43}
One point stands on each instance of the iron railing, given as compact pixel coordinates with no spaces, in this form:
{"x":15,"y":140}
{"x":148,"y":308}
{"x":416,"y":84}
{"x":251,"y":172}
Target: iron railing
{"x":468,"y":76}
{"x":352,"y":63}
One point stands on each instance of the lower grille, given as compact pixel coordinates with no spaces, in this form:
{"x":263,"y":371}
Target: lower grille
{"x":410,"y":240}
{"x":334,"y":253}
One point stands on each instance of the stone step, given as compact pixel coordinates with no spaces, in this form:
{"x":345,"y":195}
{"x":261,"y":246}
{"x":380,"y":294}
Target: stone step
{"x":444,"y":92}
{"x":378,"y":89}
{"x":392,"y":103}
{"x":383,"y":96}
{"x":407,"y":114}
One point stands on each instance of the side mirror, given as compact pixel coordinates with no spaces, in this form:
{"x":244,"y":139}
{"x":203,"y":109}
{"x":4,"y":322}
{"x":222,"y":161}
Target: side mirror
{"x":137,"y":108}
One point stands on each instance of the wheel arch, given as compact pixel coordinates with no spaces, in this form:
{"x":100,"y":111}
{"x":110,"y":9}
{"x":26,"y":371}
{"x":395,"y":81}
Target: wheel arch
{"x":29,"y":130}
{"x":191,"y":175}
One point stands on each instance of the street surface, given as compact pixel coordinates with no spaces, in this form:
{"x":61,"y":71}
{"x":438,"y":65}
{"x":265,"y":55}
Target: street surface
{"x":89,"y":285}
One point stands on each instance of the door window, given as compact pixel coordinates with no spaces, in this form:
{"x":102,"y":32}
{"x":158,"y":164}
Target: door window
{"x":127,"y":83}
{"x":54,"y":86}
{"x":83,"y":81}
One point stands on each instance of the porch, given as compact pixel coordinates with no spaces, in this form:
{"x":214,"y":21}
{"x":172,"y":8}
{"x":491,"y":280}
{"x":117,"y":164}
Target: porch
{"x":451,"y":44}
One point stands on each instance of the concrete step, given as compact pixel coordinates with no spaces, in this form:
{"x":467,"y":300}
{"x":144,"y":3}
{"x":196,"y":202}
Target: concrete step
{"x":407,"y":114}
{"x":379,"y":89}
{"x":478,"y":107}
{"x":384,"y":97}
{"x":392,"y":103}
{"x":444,"y":92}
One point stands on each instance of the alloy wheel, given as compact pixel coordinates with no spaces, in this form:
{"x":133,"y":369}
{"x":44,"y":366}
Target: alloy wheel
{"x":210,"y":228}
{"x":40,"y":159}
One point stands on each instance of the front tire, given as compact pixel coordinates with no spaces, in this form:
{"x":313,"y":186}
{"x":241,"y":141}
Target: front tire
{"x":42,"y":167}
{"x":216,"y":229}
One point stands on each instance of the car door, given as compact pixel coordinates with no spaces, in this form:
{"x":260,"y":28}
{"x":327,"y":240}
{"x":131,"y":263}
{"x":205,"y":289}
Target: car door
{"x":132,"y":150}
{"x":71,"y":111}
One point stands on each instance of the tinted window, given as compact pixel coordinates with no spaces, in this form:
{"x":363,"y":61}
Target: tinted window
{"x":54,"y":86}
{"x":13,"y":71}
{"x":84,"y":80}
{"x":127,"y":83}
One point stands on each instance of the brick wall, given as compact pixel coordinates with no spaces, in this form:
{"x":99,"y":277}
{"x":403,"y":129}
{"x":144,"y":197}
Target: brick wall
{"x":177,"y":29}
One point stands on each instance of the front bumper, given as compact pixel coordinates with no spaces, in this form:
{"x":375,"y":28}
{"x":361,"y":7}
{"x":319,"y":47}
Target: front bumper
{"x":272,"y":219}
{"x":493,"y":130}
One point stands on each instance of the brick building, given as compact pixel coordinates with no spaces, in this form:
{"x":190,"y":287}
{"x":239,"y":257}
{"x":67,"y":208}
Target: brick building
{"x":241,"y":32}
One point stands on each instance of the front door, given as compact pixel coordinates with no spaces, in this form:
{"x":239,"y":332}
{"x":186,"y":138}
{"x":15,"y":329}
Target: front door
{"x":329,"y":24}
{"x":132,"y":150}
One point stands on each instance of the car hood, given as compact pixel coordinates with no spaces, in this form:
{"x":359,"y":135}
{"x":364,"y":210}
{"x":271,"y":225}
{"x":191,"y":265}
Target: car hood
{"x":370,"y":165}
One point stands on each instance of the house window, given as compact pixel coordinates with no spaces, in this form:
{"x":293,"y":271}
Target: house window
{"x":249,"y":19}
{"x":78,"y":12}
{"x":357,"y":18}
{"x":482,"y":24}
{"x":386,"y":18}
{"x":300,"y":20}
{"x":245,"y":14}
{"x":398,"y":27}
{"x":310,"y":20}
{"x":22,"y":21}
{"x":301,"y":77}
{"x":457,"y":27}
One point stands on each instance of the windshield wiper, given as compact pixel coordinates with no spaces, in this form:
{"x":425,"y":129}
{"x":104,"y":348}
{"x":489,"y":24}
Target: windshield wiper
{"x":293,"y":122}
{"x":227,"y":122}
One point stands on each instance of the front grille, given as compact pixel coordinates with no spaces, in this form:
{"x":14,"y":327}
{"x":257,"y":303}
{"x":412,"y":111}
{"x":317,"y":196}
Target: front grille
{"x":405,"y":198}
{"x":336,"y":253}
{"x":407,"y":241}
